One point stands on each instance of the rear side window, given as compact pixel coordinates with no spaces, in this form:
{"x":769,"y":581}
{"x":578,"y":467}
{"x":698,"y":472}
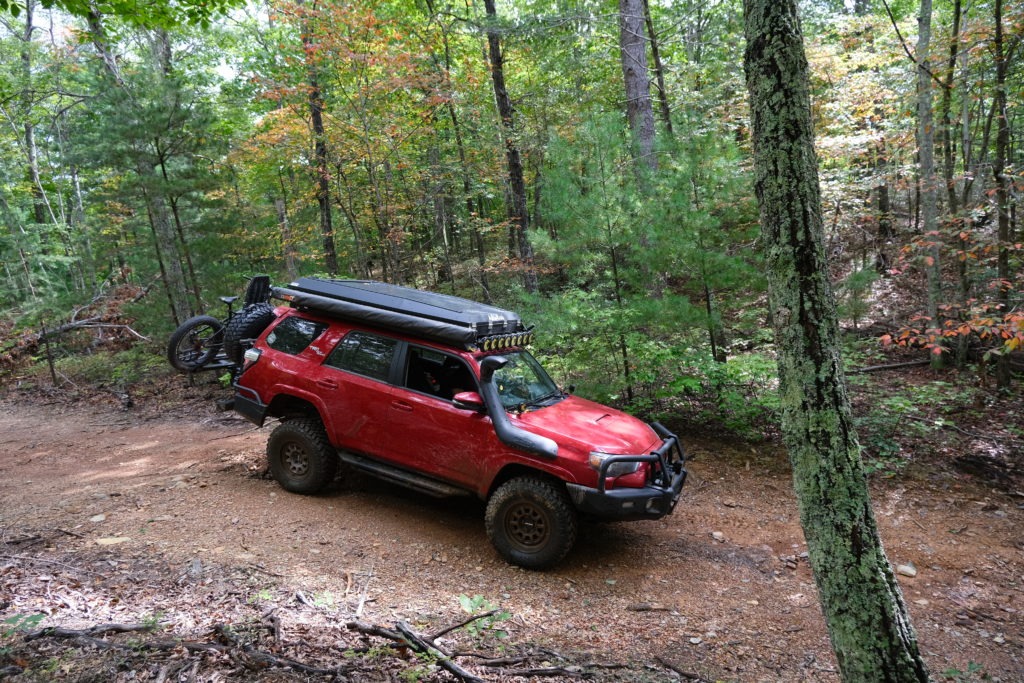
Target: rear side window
{"x":294,"y":334}
{"x":364,"y":354}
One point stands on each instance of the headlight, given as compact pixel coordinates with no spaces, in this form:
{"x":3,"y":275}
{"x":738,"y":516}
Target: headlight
{"x":617,"y":469}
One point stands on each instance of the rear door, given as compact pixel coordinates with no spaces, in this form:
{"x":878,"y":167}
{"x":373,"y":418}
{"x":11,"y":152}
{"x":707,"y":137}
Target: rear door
{"x":353,"y":382}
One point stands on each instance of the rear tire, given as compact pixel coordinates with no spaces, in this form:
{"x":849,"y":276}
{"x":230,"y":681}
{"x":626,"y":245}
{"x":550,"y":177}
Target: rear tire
{"x":243,"y":328}
{"x":301,"y":458}
{"x":531,"y":522}
{"x":195,"y":343}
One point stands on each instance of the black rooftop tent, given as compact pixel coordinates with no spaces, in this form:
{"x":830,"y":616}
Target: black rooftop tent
{"x":438,"y":317}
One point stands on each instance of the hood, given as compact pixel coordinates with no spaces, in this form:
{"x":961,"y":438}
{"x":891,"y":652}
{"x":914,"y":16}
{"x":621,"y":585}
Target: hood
{"x":590,"y":426}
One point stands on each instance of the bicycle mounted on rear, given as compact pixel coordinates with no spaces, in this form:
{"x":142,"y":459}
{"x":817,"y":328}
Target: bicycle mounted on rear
{"x":204,"y":342}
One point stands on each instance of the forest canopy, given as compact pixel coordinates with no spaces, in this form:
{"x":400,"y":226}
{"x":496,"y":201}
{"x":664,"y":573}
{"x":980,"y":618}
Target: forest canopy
{"x":588,"y":163}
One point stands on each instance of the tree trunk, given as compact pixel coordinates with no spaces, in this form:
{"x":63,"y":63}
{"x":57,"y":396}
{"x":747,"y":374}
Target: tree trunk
{"x":861,"y":600}
{"x":633,"y":52}
{"x":1003,"y":373}
{"x":927,"y":180}
{"x":518,"y":213}
{"x":320,"y":154}
{"x":945,"y":112}
{"x":39,"y":206}
{"x":659,"y":70}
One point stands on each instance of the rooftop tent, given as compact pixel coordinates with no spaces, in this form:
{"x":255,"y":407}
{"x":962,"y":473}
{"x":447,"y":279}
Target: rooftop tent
{"x":438,"y":317}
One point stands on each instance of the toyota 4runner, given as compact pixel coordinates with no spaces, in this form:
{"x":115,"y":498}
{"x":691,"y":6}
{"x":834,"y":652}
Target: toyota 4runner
{"x":439,"y":394}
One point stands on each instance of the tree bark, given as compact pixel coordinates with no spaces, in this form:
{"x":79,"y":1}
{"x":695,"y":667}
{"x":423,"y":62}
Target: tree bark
{"x":659,"y":70}
{"x":1003,"y":373}
{"x":928,"y":181}
{"x":320,"y":152}
{"x":633,"y":53}
{"x":518,"y":212}
{"x":867,"y":620}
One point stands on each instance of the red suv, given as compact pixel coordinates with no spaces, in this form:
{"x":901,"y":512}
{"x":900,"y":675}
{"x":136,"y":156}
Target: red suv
{"x":439,"y":394}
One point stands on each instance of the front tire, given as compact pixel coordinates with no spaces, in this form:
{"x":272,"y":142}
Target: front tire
{"x":195,"y":343}
{"x":300,"y":456}
{"x":531,"y":522}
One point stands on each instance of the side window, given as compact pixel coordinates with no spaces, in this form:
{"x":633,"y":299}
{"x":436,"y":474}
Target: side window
{"x":438,"y":374}
{"x":294,"y":334}
{"x":364,"y":354}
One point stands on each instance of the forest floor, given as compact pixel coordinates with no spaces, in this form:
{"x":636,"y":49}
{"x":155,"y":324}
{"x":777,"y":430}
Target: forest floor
{"x":156,"y":549}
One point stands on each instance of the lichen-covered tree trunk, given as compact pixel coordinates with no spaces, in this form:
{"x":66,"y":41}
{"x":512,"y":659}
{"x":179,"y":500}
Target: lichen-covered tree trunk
{"x":864,"y":610}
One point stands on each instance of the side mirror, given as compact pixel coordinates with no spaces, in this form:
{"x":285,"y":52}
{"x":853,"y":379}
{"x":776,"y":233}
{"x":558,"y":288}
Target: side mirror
{"x":469,"y":400}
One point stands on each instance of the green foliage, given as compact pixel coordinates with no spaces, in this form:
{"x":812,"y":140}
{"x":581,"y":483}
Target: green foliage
{"x":852,"y":293}
{"x":894,"y":420}
{"x":974,"y":672}
{"x":486,"y":625}
{"x":15,"y":624}
{"x":19,"y":623}
{"x":740,"y":396}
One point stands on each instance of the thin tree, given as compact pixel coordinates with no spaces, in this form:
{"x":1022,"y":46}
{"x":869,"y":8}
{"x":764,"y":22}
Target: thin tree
{"x":519,"y":217}
{"x":1002,"y":57}
{"x":927,"y":178}
{"x":320,"y":152}
{"x":866,"y":616}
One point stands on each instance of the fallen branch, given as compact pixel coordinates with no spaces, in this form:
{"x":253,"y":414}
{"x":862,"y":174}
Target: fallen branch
{"x":672,"y":667}
{"x":467,"y":622}
{"x":253,"y":658}
{"x":89,"y":633}
{"x":405,"y":636}
{"x":890,"y":366}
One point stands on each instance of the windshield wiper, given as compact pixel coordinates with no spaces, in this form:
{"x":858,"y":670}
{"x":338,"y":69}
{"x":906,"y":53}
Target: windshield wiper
{"x":556,"y":394}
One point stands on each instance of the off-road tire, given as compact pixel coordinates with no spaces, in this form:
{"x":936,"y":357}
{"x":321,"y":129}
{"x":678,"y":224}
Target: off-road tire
{"x":301,"y":458}
{"x":195,"y":343}
{"x":243,"y":328}
{"x":531,"y":522}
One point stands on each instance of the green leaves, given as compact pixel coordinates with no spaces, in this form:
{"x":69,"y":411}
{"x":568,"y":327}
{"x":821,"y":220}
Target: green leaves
{"x":146,"y":13}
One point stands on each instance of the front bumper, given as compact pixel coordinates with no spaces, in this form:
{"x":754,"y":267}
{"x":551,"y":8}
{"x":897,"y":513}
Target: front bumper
{"x":653,"y":501}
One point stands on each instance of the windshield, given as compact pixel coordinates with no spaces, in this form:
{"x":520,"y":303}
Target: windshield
{"x":523,"y":382}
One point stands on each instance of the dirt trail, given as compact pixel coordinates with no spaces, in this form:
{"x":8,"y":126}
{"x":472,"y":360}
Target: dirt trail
{"x":719,"y":590}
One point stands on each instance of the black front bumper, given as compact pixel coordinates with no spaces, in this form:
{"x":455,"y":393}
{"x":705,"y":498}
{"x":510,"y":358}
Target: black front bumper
{"x":653,"y":501}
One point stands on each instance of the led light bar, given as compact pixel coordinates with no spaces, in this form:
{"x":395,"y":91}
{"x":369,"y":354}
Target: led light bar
{"x":497,"y":342}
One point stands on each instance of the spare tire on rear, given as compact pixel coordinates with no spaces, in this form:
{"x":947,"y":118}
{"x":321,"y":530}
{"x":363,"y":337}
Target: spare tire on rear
{"x":243,"y":328}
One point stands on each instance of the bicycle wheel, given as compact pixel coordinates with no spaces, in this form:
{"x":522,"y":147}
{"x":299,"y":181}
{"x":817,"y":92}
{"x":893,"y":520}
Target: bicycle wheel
{"x":195,"y":343}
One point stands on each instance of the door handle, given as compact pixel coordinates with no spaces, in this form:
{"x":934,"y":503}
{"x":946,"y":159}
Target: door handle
{"x":327,"y":383}
{"x":401,"y":405}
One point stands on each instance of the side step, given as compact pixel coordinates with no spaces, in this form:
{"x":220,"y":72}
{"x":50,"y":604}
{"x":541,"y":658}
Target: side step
{"x":397,"y":475}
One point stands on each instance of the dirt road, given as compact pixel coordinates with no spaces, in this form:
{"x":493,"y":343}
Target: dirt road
{"x":111,"y":515}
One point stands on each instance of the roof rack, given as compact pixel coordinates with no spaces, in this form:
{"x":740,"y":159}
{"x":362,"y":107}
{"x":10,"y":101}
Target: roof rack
{"x":437,"y":317}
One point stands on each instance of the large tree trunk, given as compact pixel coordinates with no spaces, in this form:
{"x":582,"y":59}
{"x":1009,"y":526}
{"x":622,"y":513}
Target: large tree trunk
{"x":863,"y":607}
{"x":518,"y":213}
{"x":633,"y":52}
